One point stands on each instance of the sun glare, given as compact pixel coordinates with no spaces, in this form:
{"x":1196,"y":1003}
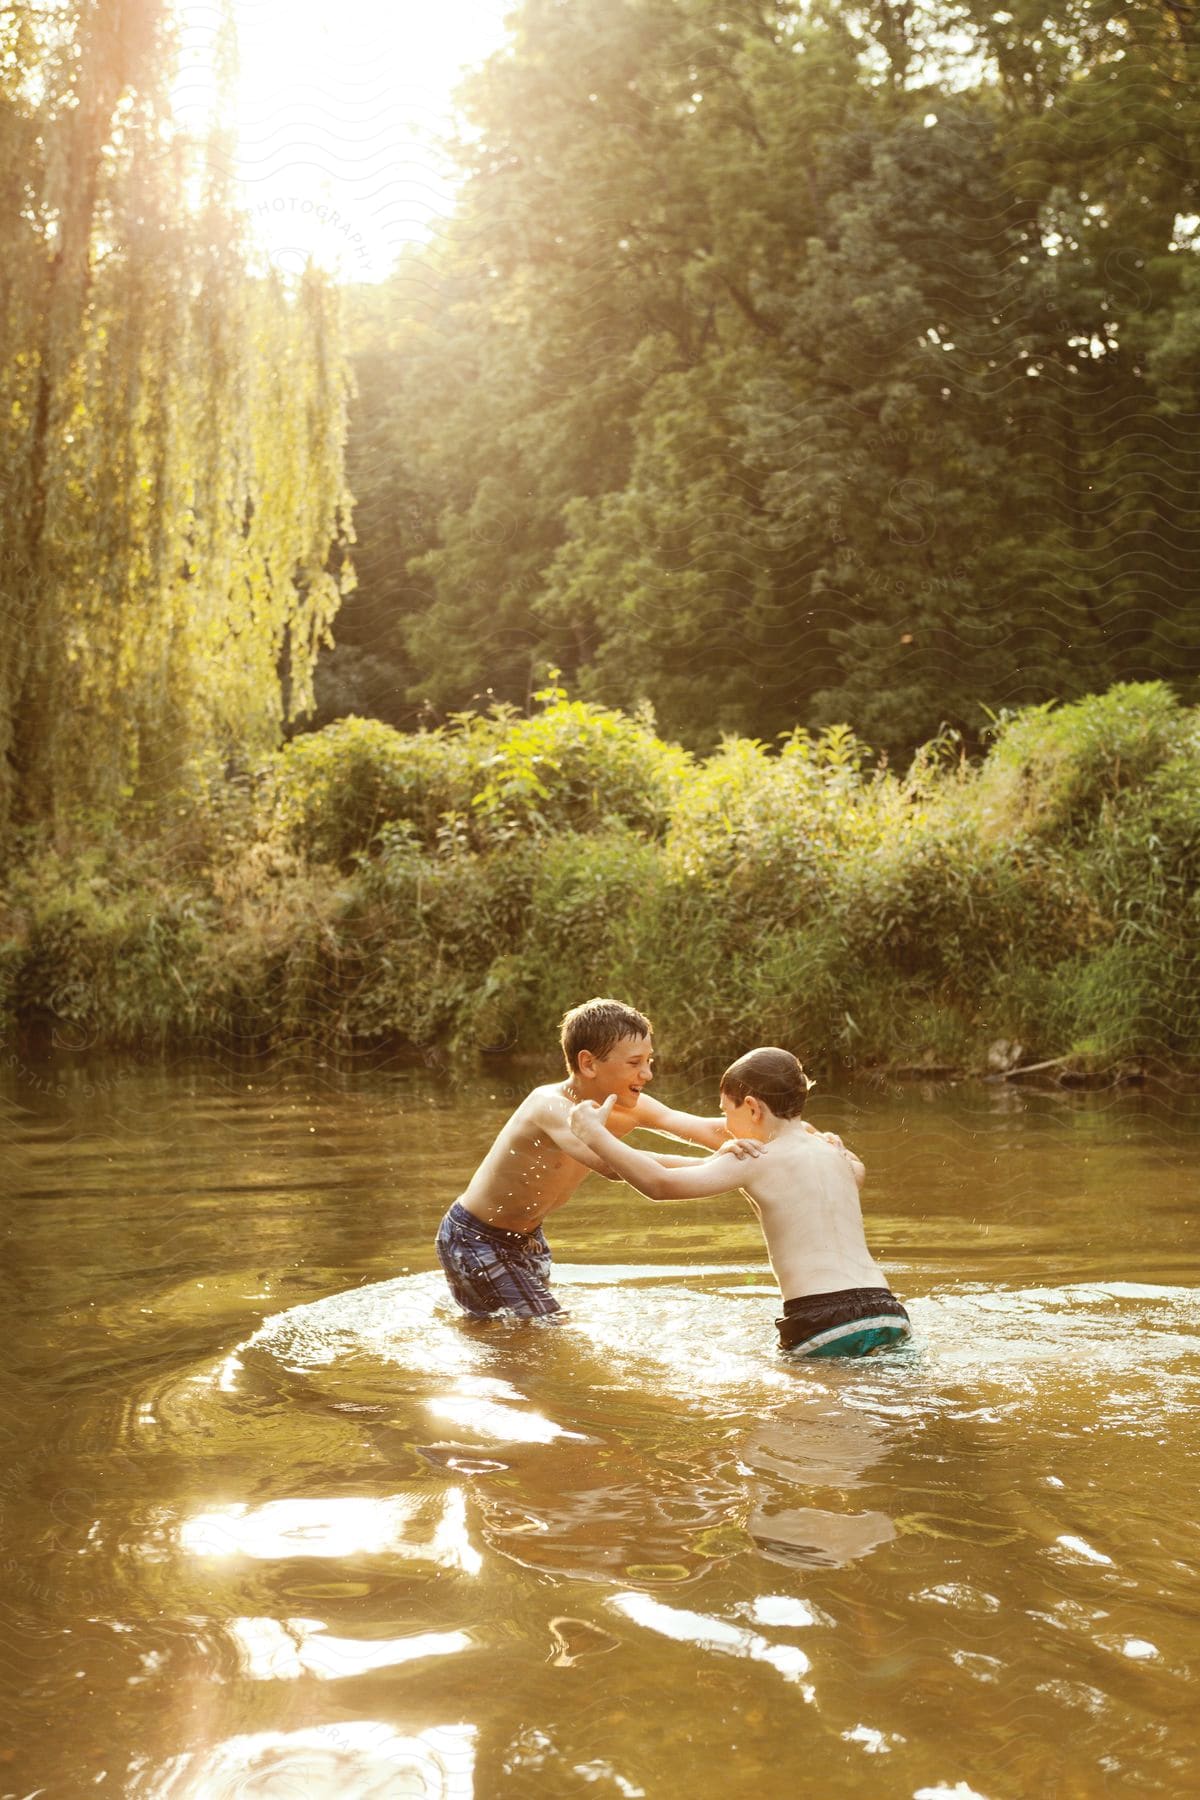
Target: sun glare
{"x":337,"y":113}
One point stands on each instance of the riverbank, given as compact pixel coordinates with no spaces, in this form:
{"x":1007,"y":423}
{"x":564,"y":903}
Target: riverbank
{"x":453,"y":891}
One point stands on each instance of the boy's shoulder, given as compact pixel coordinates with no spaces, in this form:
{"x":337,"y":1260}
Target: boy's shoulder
{"x":790,"y":1158}
{"x":546,"y":1101}
{"x":539,"y":1113}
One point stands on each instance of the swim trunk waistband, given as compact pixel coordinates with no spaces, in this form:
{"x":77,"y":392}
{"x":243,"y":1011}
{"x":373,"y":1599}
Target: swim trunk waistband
{"x":463,"y":1216}
{"x":846,"y":1322}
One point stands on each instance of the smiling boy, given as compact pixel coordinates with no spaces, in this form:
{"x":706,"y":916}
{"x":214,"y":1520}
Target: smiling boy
{"x":490,"y":1243}
{"x":805,"y":1190}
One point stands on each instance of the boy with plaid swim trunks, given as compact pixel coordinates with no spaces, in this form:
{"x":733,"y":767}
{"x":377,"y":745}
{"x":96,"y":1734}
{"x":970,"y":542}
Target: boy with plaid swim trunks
{"x":490,"y":1243}
{"x":804,"y":1189}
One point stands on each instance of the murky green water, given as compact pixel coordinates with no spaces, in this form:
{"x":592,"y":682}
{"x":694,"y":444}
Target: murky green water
{"x":277,"y":1523}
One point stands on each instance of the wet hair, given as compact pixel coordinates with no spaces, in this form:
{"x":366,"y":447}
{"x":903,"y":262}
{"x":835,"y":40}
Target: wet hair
{"x":773,"y":1076}
{"x":596,"y":1026}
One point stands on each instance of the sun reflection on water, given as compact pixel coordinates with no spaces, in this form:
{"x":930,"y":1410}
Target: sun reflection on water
{"x":503,"y":1423}
{"x":284,"y":1649}
{"x":338,"y":1528}
{"x":363,"y":1758}
{"x":712,"y":1634}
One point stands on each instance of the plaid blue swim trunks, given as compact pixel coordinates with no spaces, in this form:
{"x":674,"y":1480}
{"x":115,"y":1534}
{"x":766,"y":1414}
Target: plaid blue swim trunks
{"x":491,"y":1270}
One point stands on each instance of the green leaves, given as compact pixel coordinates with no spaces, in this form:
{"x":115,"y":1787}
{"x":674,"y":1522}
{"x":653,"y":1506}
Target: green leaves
{"x":804,"y":366}
{"x":171,"y":431}
{"x":485,"y":780}
{"x":461,"y":886}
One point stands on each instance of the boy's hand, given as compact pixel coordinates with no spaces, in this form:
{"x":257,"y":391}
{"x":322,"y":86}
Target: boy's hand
{"x":855,"y":1161}
{"x":741,"y":1148}
{"x":588,"y":1121}
{"x":831,"y":1137}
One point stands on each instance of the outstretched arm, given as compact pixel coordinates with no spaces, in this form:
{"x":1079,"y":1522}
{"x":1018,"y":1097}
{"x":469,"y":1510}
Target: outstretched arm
{"x":691,"y":1178}
{"x":654,"y":1116}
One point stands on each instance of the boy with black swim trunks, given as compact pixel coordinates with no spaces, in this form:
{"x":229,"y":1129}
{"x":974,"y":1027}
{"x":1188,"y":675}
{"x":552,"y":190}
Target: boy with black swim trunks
{"x":491,"y":1243}
{"x":804,"y":1188}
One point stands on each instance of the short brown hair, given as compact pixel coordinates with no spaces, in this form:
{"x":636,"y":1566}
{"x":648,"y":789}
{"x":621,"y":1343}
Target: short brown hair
{"x":596,"y":1026}
{"x":773,"y":1076}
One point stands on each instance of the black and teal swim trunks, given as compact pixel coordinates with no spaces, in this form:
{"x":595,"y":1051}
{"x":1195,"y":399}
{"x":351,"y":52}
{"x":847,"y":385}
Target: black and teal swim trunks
{"x":491,"y":1270}
{"x":849,"y":1322}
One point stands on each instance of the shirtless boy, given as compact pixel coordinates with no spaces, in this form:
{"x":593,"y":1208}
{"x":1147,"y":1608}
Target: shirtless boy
{"x":804,"y":1188}
{"x":491,"y":1243}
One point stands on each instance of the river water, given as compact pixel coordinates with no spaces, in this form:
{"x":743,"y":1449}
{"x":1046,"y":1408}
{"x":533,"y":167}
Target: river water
{"x":277,"y":1522}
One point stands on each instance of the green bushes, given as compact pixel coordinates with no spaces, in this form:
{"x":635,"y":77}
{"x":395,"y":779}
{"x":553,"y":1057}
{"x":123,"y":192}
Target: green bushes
{"x":437,"y":928}
{"x":481,"y":781}
{"x":752,"y":816}
{"x":1053,"y":771}
{"x":331,"y":791}
{"x":463,"y":886}
{"x":576,"y":767}
{"x":95,"y":946}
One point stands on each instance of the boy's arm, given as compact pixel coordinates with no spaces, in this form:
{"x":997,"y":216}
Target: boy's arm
{"x":689,"y":1179}
{"x":740,"y":1148}
{"x":733,"y":1145}
{"x":654,"y":1116}
{"x":560,"y":1133}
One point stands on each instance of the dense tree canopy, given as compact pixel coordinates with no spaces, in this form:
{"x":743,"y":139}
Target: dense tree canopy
{"x":796,"y":363}
{"x":171,"y":433}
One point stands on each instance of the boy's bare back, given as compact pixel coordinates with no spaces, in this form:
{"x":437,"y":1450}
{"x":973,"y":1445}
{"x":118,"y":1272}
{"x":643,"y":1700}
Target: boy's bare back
{"x":805,"y":1193}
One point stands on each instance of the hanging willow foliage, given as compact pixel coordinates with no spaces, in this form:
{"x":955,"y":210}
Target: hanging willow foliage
{"x":171,"y":432}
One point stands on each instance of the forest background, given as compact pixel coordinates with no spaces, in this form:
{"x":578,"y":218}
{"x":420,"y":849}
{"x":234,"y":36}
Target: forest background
{"x":747,"y":560}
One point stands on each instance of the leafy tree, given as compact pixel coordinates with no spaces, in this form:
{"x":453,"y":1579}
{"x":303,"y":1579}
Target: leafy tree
{"x":172,"y":428}
{"x":808,"y":363}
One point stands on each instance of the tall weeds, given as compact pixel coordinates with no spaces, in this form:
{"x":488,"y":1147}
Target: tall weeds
{"x":461,"y":887}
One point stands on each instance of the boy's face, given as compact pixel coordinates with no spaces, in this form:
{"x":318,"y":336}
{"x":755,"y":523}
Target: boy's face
{"x":624,"y":1072}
